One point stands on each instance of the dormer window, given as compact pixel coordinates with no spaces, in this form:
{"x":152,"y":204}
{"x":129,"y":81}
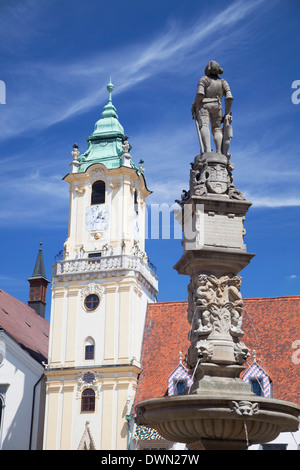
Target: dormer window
{"x":179,"y":380}
{"x":257,"y":386}
{"x":179,"y":387}
{"x":258,"y":378}
{"x":98,"y":193}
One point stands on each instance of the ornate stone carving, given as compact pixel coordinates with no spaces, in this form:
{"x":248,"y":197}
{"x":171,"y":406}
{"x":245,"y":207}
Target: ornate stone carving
{"x":79,"y":190}
{"x":241,"y":352}
{"x":92,"y":288}
{"x":211,"y":173}
{"x":75,"y":152}
{"x":217,"y":305}
{"x":245,"y":408}
{"x":215,"y":312}
{"x":88,"y":379}
{"x":97,"y":173}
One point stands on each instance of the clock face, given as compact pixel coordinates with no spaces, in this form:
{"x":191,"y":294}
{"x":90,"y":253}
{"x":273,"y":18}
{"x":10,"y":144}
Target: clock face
{"x":97,"y":217}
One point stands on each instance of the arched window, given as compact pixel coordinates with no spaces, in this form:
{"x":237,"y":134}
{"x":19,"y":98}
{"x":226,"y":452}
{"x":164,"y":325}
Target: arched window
{"x":89,"y":349}
{"x":88,"y":400}
{"x":98,"y":192}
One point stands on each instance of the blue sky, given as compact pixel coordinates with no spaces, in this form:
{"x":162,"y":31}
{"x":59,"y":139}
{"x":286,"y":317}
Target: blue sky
{"x":56,"y":59}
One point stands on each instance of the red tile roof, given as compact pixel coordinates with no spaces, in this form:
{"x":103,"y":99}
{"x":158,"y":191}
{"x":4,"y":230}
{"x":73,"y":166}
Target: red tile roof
{"x":271,"y":325}
{"x":23,"y":324}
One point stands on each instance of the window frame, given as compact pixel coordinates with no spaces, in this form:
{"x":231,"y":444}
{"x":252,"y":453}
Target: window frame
{"x":258,"y":381}
{"x":88,"y":400}
{"x":98,"y":196}
{"x":183,"y":383}
{"x":89,"y":352}
{"x":86,"y":301}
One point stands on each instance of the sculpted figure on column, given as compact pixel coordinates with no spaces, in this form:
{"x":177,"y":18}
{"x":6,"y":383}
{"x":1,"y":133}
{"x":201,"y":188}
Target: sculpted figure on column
{"x":207,"y":108}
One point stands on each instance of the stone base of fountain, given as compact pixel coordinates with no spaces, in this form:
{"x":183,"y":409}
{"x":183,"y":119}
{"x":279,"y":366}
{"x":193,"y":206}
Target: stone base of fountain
{"x":218,"y":422}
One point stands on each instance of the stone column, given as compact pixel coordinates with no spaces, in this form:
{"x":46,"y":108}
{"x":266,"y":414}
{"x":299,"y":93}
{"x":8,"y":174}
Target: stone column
{"x":214,"y":253}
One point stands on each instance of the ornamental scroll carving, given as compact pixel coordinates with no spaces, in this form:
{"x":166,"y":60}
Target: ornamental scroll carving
{"x":88,"y":379}
{"x":92,"y":289}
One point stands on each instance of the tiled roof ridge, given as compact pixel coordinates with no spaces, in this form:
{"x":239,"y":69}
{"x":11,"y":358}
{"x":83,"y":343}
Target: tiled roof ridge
{"x":280,"y":297}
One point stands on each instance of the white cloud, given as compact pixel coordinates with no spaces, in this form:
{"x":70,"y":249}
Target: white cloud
{"x":55,"y":92}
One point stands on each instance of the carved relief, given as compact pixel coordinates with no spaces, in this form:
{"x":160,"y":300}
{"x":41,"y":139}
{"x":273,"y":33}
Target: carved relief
{"x":212,"y":174}
{"x":245,"y":408}
{"x":88,"y":379}
{"x":92,"y":289}
{"x":202,"y":351}
{"x":216,"y":305}
{"x":215,"y":312}
{"x":241,"y":352}
{"x":97,"y":173}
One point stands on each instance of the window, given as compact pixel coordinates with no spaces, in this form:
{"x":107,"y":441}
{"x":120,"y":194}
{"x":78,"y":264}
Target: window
{"x":257,"y":386}
{"x":88,"y":400}
{"x":91,"y":302}
{"x":136,"y":205}
{"x":98,"y":192}
{"x":89,"y":351}
{"x":95,"y":255}
{"x":180,"y":387}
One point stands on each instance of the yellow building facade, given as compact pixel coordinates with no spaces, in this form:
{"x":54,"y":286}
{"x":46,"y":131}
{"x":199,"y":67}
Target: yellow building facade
{"x":100,"y":292}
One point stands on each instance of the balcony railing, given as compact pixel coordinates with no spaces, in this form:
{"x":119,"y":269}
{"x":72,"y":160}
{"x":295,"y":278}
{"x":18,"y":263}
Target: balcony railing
{"x":104,"y":264}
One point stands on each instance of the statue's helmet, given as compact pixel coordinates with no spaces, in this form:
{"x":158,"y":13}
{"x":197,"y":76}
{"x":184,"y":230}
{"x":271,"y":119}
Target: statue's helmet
{"x":213,"y":68}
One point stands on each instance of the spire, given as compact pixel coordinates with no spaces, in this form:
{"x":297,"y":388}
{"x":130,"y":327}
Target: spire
{"x":39,"y":268}
{"x":109,"y":110}
{"x":38,"y":285}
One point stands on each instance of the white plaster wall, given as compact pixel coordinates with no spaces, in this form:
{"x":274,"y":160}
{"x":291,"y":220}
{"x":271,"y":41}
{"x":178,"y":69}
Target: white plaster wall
{"x":20,"y":372}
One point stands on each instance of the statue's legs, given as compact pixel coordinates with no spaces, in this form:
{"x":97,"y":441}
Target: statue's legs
{"x":218,"y":138}
{"x":211,"y":112}
{"x":216,"y":120}
{"x":204,"y":128}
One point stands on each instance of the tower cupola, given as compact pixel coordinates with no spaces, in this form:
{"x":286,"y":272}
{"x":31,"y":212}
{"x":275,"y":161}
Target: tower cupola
{"x":106,"y":143}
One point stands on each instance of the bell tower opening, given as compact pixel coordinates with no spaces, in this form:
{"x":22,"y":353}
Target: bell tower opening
{"x":98,"y":193}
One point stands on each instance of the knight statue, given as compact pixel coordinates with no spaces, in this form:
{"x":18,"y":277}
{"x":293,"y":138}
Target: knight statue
{"x":207,"y":108}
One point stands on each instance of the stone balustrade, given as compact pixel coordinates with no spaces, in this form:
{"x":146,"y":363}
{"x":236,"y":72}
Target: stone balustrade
{"x":107,"y":265}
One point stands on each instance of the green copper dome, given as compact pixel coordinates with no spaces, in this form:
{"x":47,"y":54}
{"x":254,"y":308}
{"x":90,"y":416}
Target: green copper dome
{"x":105,"y":143}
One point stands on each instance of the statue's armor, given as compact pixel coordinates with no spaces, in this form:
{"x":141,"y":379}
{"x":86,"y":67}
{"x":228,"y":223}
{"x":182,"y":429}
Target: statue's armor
{"x":210,"y":107}
{"x":213,"y":88}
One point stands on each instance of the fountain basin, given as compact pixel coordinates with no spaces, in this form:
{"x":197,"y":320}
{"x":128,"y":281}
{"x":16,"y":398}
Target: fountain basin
{"x":212,"y":422}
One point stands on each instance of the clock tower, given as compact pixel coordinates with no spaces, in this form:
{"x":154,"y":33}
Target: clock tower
{"x":100,"y":292}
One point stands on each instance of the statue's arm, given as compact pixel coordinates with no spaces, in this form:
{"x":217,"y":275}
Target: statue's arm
{"x":228,"y":97}
{"x":199,"y":95}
